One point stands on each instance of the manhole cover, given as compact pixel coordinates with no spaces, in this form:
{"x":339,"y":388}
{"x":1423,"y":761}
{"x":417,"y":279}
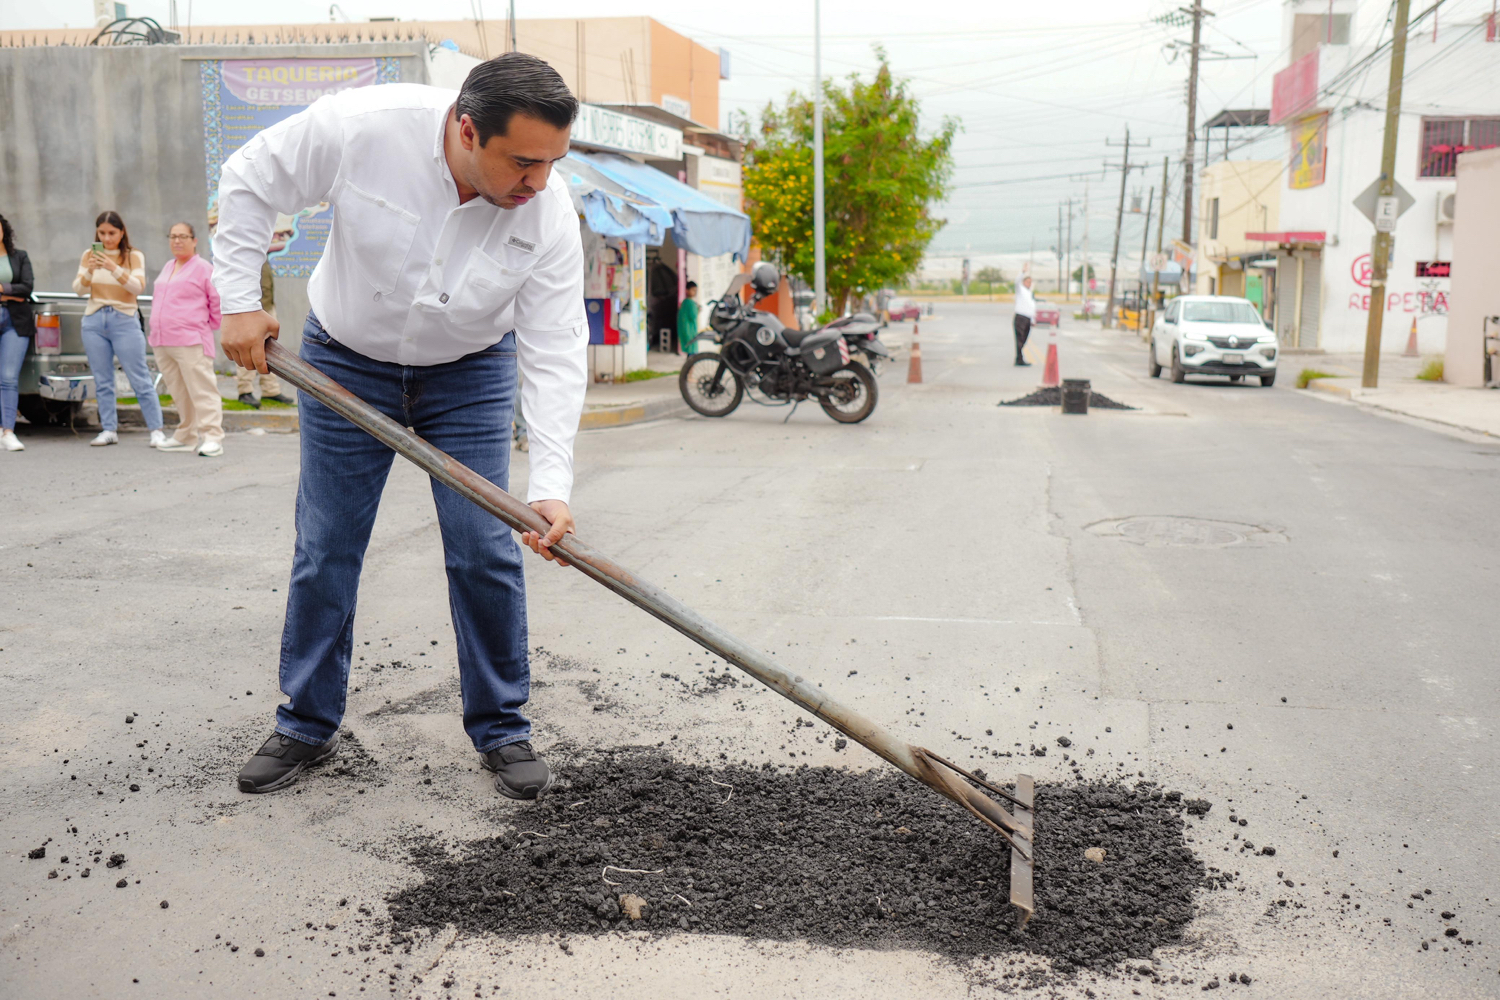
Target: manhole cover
{"x":1168,"y":531}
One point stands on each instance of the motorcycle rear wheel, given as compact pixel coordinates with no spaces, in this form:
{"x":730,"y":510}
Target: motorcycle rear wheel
{"x":853,"y":396}
{"x":709,"y":386}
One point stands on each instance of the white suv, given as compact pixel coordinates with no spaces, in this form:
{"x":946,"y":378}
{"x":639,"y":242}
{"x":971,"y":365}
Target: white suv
{"x":1212,"y":335}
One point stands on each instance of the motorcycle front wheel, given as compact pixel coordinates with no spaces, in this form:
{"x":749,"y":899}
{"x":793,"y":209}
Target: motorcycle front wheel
{"x":710,"y":386}
{"x":853,"y":395}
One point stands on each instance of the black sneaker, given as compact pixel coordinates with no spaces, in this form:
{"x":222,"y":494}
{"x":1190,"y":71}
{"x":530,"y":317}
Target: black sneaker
{"x":279,"y":398}
{"x":1022,"y":363}
{"x":519,"y":772}
{"x":249,"y":399}
{"x":278,"y":763}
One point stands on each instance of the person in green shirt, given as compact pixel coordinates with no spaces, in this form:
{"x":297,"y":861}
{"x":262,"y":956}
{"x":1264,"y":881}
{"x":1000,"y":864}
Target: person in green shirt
{"x":687,"y":320}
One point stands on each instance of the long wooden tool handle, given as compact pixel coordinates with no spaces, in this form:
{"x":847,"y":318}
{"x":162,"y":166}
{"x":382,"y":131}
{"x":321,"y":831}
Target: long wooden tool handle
{"x":643,"y":594}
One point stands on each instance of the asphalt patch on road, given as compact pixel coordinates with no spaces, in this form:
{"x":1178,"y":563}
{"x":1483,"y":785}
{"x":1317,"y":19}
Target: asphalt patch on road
{"x":828,"y":856}
{"x":1053,"y":397}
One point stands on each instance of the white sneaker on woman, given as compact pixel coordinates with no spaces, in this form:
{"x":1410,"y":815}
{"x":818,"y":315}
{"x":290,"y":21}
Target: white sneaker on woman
{"x":211,"y":449}
{"x":104,"y":438}
{"x":10,"y":442}
{"x":172,"y":444}
{"x":158,"y":439}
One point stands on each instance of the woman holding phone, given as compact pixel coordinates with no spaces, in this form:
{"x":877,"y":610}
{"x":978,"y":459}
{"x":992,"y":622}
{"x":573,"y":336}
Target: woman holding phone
{"x":112,"y":273}
{"x":17,"y":327}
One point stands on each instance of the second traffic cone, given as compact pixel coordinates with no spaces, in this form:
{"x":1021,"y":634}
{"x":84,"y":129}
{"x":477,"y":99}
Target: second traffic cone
{"x":1411,"y":342}
{"x":914,"y":369}
{"x":1050,"y":377}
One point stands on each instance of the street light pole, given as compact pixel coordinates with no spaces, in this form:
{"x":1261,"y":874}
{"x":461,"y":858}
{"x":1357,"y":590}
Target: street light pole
{"x":820,"y":263}
{"x":1380,"y":247}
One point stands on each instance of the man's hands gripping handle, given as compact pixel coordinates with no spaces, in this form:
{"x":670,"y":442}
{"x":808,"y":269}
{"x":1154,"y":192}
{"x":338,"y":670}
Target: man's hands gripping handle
{"x":244,"y":337}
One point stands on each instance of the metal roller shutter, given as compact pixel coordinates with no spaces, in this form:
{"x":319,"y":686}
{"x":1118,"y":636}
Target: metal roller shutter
{"x":1312,"y":299}
{"x":1286,"y":299}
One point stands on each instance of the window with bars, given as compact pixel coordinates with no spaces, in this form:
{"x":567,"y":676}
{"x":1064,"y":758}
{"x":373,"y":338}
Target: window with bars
{"x":1444,"y":138}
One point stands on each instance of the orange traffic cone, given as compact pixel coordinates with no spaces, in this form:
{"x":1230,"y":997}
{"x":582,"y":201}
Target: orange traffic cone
{"x":1050,"y":377}
{"x":914,"y":369}
{"x":1411,"y":342}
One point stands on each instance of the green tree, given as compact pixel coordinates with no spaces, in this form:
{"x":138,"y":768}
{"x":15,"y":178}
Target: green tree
{"x":990,"y":275}
{"x":880,"y":179}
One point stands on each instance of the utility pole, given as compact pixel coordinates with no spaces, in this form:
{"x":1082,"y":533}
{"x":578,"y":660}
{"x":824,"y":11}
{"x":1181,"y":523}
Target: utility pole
{"x":1114,"y":260}
{"x":1161,"y":228}
{"x":1068,"y":269}
{"x":1140,"y":316}
{"x":1087,"y":271}
{"x":1380,"y":247}
{"x":1059,"y":247}
{"x":1190,"y":154}
{"x":512,"y":18}
{"x":820,"y":277}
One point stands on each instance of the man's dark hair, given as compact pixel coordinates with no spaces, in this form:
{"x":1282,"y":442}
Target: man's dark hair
{"x":514,"y":82}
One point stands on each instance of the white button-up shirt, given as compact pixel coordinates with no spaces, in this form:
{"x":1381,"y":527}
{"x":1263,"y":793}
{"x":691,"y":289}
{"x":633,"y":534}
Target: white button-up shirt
{"x":1025,"y":303}
{"x":410,"y":276}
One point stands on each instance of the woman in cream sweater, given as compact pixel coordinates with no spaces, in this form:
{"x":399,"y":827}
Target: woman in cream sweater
{"x":111,"y":329}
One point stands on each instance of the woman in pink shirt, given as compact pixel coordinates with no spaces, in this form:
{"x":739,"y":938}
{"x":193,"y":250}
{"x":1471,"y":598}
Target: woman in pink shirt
{"x":184,"y":316}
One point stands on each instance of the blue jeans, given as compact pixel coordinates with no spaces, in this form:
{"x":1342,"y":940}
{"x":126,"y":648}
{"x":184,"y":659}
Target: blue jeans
{"x":109,"y":334}
{"x":464,"y":408}
{"x":12,"y":353}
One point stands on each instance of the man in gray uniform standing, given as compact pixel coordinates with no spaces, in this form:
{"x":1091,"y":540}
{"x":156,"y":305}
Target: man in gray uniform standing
{"x":454,"y":259}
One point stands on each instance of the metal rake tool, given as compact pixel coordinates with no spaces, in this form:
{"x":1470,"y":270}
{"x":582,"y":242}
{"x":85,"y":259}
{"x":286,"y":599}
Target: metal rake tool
{"x":938,"y":773}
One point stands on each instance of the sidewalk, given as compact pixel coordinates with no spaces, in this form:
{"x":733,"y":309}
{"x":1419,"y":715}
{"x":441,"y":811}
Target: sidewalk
{"x":617,"y":404}
{"x":1401,"y":392}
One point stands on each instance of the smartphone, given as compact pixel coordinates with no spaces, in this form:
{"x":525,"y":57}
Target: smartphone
{"x":98,"y":248}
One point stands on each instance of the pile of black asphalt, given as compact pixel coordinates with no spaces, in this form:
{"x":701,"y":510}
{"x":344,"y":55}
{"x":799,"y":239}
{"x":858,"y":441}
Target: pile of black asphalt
{"x":634,"y":839}
{"x":1052,"y":396}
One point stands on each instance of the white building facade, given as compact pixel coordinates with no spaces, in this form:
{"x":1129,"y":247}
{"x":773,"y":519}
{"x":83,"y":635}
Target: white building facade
{"x":1330,"y":99}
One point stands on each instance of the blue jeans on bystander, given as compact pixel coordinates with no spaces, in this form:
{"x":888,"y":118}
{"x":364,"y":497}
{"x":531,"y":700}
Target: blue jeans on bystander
{"x":464,"y":408}
{"x":12,"y":354}
{"x":109,"y":334}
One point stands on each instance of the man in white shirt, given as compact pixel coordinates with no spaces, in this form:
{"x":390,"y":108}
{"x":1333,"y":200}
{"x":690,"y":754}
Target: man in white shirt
{"x":454,"y":259}
{"x":1025,"y":314}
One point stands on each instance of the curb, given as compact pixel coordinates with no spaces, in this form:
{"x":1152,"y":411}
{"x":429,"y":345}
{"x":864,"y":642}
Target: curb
{"x":1353,"y":393}
{"x":599,"y":417}
{"x":1335,"y":386}
{"x":282,"y":420}
{"x":285,"y":421}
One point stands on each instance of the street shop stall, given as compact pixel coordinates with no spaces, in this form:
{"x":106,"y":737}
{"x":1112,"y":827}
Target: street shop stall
{"x":634,"y":220}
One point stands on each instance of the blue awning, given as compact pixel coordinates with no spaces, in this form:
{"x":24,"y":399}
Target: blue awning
{"x":611,"y":210}
{"x":700,"y":224}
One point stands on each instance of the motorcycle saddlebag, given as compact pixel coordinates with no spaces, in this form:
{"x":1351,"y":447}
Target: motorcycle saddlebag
{"x":825,"y":353}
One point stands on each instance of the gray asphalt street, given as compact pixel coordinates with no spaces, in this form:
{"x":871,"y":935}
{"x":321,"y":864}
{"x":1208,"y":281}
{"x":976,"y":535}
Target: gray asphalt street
{"x":1280,"y":603}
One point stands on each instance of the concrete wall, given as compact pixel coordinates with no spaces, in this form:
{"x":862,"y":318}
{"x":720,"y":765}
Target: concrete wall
{"x":91,"y":128}
{"x":1476,"y":262}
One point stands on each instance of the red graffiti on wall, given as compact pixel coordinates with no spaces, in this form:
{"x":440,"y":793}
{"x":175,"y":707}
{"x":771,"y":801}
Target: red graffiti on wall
{"x":1424,"y":303}
{"x":1361,"y":270}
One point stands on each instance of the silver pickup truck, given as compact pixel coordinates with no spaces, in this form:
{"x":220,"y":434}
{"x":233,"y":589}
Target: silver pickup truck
{"x":55,"y":382}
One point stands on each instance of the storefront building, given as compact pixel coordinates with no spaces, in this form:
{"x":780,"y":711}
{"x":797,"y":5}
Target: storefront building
{"x":1330,"y":102}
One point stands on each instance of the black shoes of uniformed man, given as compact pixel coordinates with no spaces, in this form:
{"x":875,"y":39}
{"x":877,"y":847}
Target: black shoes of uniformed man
{"x":278,"y":763}
{"x":519,"y":772}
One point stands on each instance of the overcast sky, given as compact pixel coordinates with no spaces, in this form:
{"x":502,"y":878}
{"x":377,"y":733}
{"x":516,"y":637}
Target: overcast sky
{"x":1038,"y":89}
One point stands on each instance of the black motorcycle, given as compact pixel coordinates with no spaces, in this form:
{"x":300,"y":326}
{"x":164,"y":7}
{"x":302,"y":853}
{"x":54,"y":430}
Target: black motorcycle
{"x":762,"y":357}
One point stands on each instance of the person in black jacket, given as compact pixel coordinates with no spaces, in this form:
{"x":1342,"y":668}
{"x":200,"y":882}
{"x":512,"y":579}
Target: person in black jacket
{"x":17,"y":327}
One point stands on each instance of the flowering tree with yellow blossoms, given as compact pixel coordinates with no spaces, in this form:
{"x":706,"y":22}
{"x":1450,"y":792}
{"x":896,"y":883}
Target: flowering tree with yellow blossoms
{"x":881,"y":177}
